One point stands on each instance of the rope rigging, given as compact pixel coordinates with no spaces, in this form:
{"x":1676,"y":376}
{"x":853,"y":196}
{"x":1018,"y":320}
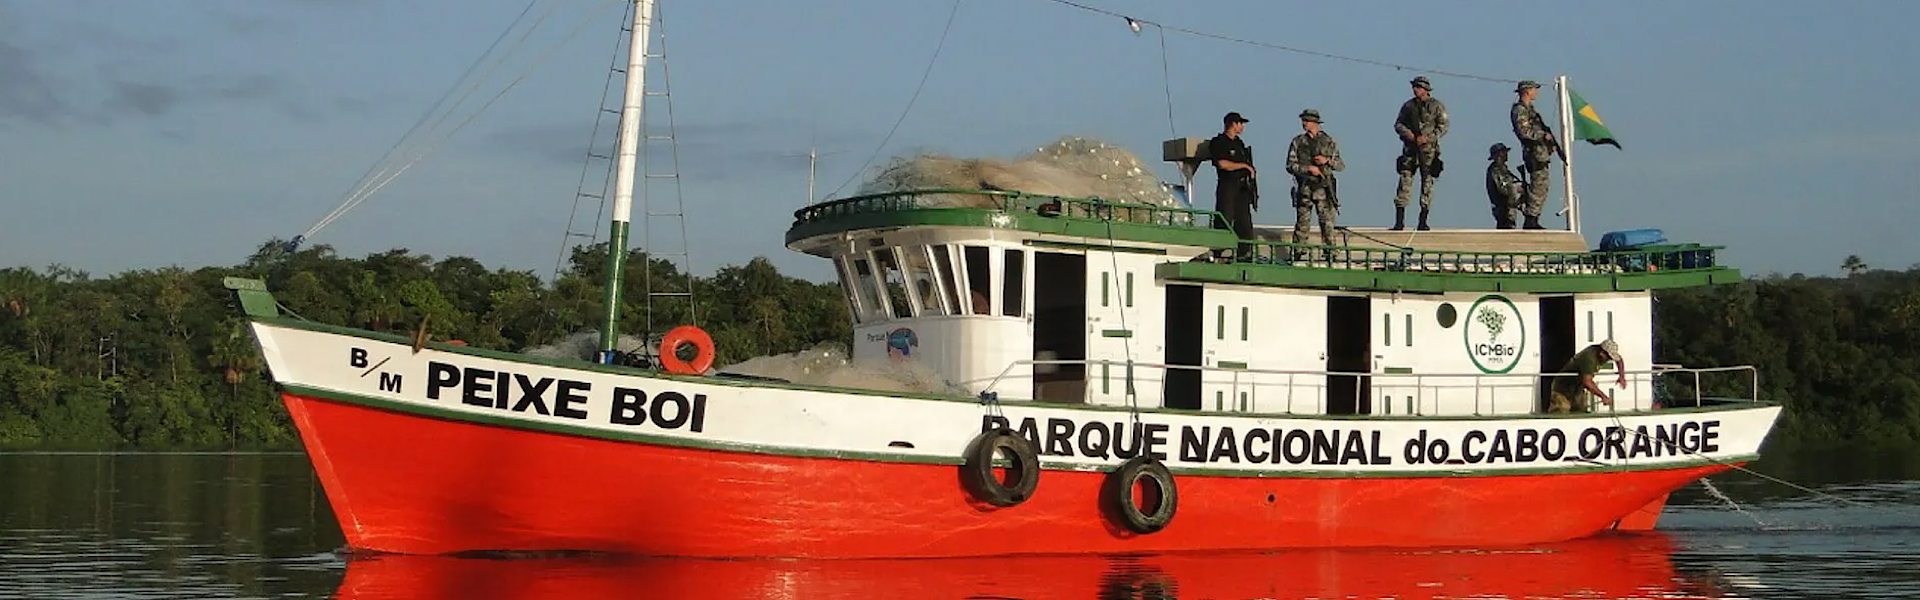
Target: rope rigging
{"x":386,"y":170}
{"x":909,"y":108}
{"x":1136,"y":22}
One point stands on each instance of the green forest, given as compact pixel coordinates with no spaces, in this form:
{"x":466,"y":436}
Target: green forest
{"x":161,"y":359}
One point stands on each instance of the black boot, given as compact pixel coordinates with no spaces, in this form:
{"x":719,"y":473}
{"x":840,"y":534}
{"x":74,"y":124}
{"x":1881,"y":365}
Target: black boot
{"x":1423,"y":220}
{"x":1533,"y":222}
{"x":1399,"y":218}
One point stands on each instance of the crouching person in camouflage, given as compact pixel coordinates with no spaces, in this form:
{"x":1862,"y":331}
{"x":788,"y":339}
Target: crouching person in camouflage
{"x":1311,"y":159}
{"x":1504,"y":189}
{"x":1571,"y":392}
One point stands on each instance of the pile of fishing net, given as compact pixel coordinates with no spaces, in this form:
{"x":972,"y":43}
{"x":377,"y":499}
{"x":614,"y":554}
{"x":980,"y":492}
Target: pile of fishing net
{"x":1074,"y":167}
{"x":827,"y":365}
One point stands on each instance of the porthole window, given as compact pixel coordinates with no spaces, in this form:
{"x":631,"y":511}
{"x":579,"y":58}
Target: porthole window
{"x":1447,"y":315}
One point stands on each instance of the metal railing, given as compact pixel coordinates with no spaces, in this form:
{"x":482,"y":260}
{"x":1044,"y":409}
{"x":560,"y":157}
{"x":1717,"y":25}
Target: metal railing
{"x":1663,"y":258}
{"x":1671,"y":257}
{"x":1427,"y":386}
{"x":1093,"y":209}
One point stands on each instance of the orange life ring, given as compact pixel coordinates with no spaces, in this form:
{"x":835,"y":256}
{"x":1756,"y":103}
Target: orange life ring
{"x":686,"y":334}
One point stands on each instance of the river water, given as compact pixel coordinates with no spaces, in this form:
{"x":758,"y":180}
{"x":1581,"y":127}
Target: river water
{"x":256,"y":525}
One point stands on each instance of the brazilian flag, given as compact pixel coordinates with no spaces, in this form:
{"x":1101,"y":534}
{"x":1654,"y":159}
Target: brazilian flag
{"x":1586,"y":123}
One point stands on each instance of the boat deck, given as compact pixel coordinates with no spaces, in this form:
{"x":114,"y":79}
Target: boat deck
{"x":1440,"y":240}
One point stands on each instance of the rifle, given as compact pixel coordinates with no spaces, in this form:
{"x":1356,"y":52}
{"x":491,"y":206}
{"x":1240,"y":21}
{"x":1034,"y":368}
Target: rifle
{"x":1542,"y":124}
{"x":1252,"y":183}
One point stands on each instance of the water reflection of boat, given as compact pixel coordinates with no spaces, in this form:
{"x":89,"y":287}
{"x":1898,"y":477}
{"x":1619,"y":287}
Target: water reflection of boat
{"x":1610,"y":566}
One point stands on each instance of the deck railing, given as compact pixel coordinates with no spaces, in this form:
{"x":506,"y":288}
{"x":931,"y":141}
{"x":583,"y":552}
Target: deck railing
{"x":1427,"y":386}
{"x":1661,"y":258}
{"x":1093,"y":209}
{"x":1385,"y":257}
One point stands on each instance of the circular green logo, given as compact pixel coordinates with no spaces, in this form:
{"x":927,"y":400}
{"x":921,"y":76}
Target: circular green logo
{"x":1496,"y":334}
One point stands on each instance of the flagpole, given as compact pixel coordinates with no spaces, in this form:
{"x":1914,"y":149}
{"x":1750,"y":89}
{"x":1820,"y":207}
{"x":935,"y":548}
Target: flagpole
{"x":1566,"y":149}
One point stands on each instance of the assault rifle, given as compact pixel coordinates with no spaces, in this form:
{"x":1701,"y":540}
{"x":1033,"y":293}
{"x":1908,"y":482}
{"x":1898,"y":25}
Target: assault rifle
{"x":1542,"y":124}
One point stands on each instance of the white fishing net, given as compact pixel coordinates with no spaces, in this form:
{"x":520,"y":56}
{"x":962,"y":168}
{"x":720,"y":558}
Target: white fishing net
{"x":1071,"y":166}
{"x":827,"y":365}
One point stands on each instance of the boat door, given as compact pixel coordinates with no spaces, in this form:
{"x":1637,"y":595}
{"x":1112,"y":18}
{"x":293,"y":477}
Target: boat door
{"x":1349,"y":350}
{"x":1396,"y":388}
{"x":1556,"y":343}
{"x":1059,"y":326}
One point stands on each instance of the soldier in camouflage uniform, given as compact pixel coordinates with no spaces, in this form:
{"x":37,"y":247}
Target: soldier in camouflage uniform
{"x":1422,"y":121}
{"x":1311,"y":159}
{"x":1503,"y":188}
{"x":1536,"y":145}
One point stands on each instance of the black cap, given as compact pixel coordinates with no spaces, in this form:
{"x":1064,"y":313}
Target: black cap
{"x":1233,"y":117}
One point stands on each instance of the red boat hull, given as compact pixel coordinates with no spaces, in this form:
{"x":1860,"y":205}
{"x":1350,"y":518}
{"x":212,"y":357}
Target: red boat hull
{"x":1609,"y":566}
{"x":419,"y":485}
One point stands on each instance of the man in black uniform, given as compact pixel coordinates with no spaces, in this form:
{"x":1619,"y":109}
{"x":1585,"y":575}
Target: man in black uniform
{"x":1234,"y":196}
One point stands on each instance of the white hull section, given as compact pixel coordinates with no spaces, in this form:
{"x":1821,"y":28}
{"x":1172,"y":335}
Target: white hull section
{"x":756,"y":417}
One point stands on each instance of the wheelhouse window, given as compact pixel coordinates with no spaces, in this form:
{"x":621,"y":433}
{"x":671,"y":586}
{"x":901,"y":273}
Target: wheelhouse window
{"x":896,"y":283}
{"x":847,"y":286}
{"x":926,"y":289}
{"x":1016,"y":278}
{"x":979,"y":280}
{"x":943,"y":264}
{"x":873,"y":306}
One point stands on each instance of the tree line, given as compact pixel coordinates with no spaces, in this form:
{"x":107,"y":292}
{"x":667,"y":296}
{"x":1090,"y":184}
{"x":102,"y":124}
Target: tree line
{"x":161,"y":358}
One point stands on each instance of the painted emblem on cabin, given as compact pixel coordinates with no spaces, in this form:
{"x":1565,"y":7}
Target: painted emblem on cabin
{"x":900,"y":343}
{"x":1495,"y":334}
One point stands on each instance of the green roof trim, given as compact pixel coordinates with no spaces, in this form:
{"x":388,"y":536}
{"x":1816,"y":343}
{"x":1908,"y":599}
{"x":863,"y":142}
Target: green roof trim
{"x":1353,"y":268}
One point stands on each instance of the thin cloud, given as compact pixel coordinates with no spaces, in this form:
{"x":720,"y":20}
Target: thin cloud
{"x":26,"y":91}
{"x":149,"y":99}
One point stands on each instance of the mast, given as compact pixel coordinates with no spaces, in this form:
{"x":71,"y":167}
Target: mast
{"x":1566,"y":148}
{"x":626,"y":158}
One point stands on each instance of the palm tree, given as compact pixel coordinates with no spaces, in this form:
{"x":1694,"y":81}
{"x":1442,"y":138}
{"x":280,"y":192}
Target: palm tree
{"x":1853,"y":265}
{"x":236,"y":355}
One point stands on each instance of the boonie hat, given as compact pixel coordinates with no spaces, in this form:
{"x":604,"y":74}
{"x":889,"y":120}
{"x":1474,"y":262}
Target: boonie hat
{"x":1310,"y":115}
{"x":1422,"y":83}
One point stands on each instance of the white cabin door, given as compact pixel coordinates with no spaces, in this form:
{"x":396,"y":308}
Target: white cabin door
{"x":1396,"y":387}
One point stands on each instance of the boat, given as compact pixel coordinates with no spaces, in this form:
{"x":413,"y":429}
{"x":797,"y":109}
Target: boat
{"x":1126,"y":392}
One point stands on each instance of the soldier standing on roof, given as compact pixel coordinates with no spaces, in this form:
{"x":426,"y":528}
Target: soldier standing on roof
{"x":1537,"y":147}
{"x":1233,"y":195}
{"x":1503,"y":188}
{"x":1422,"y":122}
{"x":1311,"y":159}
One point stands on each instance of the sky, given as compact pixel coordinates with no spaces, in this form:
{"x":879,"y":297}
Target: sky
{"x":139,"y":135}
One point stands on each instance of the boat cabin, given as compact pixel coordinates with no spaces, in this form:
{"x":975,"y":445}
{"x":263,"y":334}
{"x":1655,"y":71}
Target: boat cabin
{"x":1079,"y":300}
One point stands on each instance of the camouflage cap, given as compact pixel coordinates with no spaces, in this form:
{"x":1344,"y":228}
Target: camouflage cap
{"x":1526,"y":85}
{"x":1422,"y":83}
{"x":1612,"y":348}
{"x":1496,"y":149}
{"x":1310,"y":115}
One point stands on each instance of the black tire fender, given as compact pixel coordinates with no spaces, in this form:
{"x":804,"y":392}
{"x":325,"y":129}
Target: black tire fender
{"x":977,"y":472}
{"x":1119,"y":494}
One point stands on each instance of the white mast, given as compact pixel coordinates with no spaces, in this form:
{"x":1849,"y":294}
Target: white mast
{"x":626,"y":159}
{"x":1566,"y":149}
